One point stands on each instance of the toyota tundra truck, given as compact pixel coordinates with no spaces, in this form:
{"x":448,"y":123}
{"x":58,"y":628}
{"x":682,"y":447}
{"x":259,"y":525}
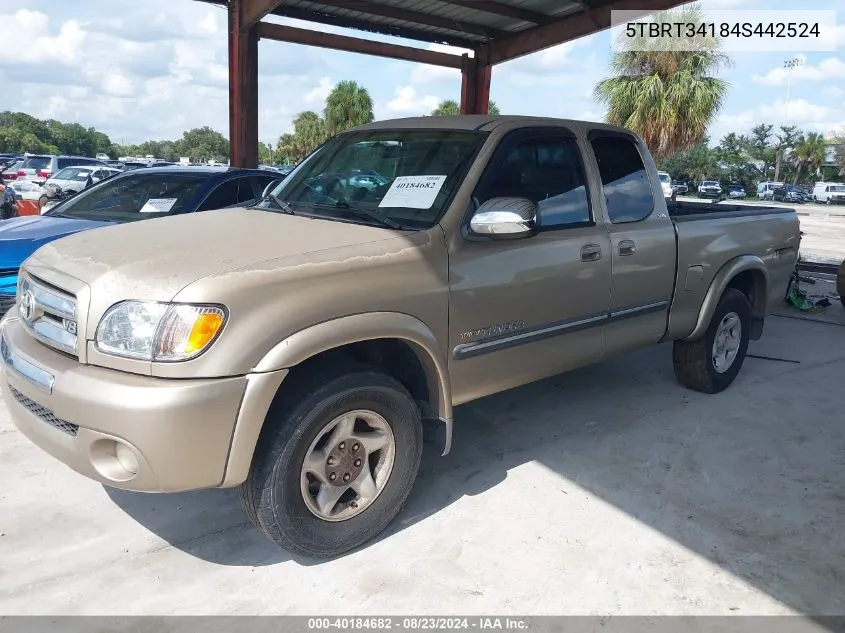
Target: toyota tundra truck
{"x":303,"y":347}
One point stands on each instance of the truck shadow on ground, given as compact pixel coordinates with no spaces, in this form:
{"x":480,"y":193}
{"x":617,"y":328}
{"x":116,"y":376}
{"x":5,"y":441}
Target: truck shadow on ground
{"x":750,"y":479}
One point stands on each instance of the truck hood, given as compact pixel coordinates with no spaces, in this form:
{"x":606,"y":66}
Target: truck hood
{"x":155,"y":259}
{"x":20,"y":237}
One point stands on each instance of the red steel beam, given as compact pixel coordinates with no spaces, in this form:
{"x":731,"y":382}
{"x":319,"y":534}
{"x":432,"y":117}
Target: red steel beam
{"x":243,"y":90}
{"x":252,"y":11}
{"x":569,"y":28}
{"x":322,"y":17}
{"x":475,"y":83}
{"x":307,"y":37}
{"x":502,"y":10}
{"x":418,"y":18}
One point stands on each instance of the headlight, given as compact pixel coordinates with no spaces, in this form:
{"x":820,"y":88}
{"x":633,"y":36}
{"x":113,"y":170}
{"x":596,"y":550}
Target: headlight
{"x":153,"y":331}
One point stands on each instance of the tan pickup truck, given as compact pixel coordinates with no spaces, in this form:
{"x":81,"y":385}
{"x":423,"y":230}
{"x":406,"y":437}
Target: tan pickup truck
{"x":299,"y":348}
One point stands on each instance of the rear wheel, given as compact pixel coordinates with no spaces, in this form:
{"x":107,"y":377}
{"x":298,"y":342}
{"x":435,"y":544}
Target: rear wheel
{"x":333,"y":470}
{"x":711,"y":363}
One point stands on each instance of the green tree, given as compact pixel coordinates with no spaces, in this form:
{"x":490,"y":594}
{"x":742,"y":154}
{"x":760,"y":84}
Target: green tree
{"x":810,"y":150}
{"x":785,"y":140}
{"x":347,"y":105}
{"x":309,"y":131}
{"x":669,"y":97}
{"x":839,"y":152}
{"x":202,"y":144}
{"x":450,"y":107}
{"x":692,"y":165}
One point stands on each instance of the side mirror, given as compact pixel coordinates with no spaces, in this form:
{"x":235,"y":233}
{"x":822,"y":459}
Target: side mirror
{"x":272,"y":185}
{"x":504,"y":219}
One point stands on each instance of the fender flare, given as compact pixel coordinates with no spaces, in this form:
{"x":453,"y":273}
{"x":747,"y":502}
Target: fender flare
{"x":368,"y":326}
{"x":720,"y":283}
{"x":268,"y":374}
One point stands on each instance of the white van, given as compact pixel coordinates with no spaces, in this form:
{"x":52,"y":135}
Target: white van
{"x":829,"y":192}
{"x":765,"y":190}
{"x":665,"y":183}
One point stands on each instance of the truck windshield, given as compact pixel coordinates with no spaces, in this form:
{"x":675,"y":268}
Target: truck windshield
{"x":137,"y":196}
{"x":406,"y":177}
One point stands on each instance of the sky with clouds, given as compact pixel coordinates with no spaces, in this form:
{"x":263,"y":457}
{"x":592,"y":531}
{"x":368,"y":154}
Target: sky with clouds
{"x":147,"y":70}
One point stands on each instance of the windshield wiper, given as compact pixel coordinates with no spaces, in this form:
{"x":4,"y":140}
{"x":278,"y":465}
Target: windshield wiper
{"x":366,"y":214}
{"x":283,"y":206}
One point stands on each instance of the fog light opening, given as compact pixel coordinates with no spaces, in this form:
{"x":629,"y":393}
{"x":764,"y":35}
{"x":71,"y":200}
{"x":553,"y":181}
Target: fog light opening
{"x":126,"y":457}
{"x":114,"y":460}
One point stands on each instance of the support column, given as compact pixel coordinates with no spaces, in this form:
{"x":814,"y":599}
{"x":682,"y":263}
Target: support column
{"x":243,"y":89}
{"x":475,"y":82}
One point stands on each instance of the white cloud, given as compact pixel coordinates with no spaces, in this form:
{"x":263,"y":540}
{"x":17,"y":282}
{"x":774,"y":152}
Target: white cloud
{"x":833,"y":92}
{"x":117,"y":84}
{"x":209,"y":24}
{"x":829,"y":69}
{"x":319,"y":93}
{"x":426,"y":73}
{"x":801,"y":113}
{"x":29,"y":31}
{"x":408,"y":102}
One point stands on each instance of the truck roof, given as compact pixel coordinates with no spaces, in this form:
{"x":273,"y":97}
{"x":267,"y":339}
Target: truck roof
{"x":481,"y":122}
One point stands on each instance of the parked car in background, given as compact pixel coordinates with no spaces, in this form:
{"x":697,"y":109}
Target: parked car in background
{"x":680,"y":187}
{"x":790,"y":193}
{"x":129,"y":165}
{"x":736,"y":192}
{"x":7,"y":160}
{"x":10,"y":172}
{"x":39,"y":167}
{"x":665,"y":183}
{"x":67,"y":182}
{"x":127,"y":197}
{"x":829,"y":192}
{"x":766,"y":189}
{"x":709,"y":189}
{"x":102,"y":157}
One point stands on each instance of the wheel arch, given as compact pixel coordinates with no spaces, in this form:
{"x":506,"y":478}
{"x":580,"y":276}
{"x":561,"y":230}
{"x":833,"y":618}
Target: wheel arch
{"x":746,"y":273}
{"x":398,"y":343}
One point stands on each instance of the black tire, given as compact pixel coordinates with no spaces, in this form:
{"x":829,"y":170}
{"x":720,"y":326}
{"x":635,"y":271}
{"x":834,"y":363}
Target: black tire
{"x":842,"y":301}
{"x":693,"y":360}
{"x":271,"y":495}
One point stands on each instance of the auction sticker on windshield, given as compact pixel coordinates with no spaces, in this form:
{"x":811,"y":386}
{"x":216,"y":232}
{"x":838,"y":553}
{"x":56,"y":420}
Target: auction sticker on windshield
{"x":158,"y":205}
{"x":414,"y":192}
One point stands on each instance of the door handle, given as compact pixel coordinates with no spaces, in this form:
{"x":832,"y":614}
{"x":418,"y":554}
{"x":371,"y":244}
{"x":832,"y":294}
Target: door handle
{"x":590,"y":253}
{"x":627,"y":247}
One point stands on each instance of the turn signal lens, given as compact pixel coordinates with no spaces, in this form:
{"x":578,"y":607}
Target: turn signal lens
{"x":187,"y":330}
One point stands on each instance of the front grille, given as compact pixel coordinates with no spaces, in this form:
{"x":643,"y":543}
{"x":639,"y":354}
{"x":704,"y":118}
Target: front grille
{"x":6,"y":303}
{"x":44,"y":414}
{"x":48,"y":314}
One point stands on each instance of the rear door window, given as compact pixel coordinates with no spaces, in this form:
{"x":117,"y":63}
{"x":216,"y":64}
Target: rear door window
{"x":627,"y":188}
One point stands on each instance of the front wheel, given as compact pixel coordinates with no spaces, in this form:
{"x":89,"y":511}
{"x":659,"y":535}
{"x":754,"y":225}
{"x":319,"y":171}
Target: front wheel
{"x":711,"y":363}
{"x":332,"y":471}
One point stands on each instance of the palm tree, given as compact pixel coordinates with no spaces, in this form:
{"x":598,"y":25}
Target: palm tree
{"x":669,"y":97}
{"x":810,"y":150}
{"x":347,"y":105}
{"x":309,"y":131}
{"x":450,"y":107}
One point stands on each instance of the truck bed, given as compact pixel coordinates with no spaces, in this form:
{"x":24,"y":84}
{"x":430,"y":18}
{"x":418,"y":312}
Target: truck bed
{"x":689,"y":211}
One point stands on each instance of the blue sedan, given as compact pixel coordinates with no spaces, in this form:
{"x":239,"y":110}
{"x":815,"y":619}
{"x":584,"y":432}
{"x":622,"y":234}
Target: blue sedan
{"x":135,"y":195}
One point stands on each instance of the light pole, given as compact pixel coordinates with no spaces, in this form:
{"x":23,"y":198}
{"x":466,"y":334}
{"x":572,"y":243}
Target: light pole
{"x":789,"y":64}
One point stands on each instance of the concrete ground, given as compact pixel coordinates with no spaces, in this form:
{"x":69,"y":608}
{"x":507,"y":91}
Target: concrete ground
{"x":610,"y":490}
